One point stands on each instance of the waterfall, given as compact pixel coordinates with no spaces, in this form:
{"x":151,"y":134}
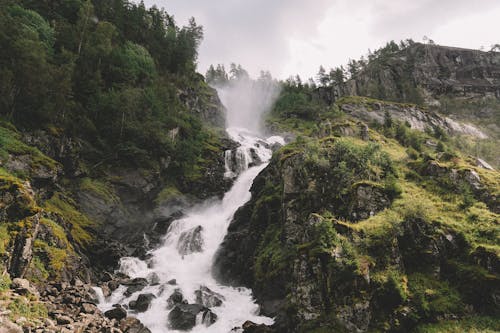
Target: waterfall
{"x":180,"y":285}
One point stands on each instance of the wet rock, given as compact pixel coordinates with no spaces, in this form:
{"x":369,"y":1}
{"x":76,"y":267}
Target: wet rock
{"x":161,"y":224}
{"x":135,"y":285}
{"x":153,"y":279}
{"x":117,"y":313}
{"x":175,"y":299}
{"x":251,"y":327}
{"x":191,"y":241}
{"x":208,"y":318}
{"x":142,"y":303}
{"x":183,"y":316}
{"x":208,"y":298}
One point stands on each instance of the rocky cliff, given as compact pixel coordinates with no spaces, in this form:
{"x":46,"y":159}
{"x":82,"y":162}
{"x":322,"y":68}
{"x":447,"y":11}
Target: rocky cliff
{"x":355,"y":234}
{"x":64,"y":222}
{"x":434,"y":70}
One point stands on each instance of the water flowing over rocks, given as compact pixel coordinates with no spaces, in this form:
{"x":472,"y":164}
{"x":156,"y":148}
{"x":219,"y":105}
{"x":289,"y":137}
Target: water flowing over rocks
{"x":191,"y":241}
{"x":171,"y":287}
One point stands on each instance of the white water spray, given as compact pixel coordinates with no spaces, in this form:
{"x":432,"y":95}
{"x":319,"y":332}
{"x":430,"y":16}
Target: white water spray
{"x":187,"y":252}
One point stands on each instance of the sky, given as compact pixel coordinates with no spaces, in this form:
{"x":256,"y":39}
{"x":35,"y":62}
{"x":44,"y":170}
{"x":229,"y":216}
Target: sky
{"x":289,"y":37}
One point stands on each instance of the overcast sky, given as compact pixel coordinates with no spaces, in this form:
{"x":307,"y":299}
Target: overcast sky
{"x":296,"y":36}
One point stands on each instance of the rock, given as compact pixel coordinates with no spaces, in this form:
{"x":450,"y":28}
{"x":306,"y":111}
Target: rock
{"x":63,"y":320}
{"x":135,"y":285}
{"x":89,"y":308}
{"x":113,"y":285}
{"x":483,"y":164}
{"x":142,"y":303}
{"x":251,"y":327}
{"x":172,"y":282}
{"x":175,"y":299}
{"x":6,"y":326}
{"x":133,"y":325}
{"x":208,"y":318}
{"x":153,"y":279}
{"x":367,"y":200}
{"x":208,"y":298}
{"x":183,"y":316}
{"x":117,"y":313}
{"x":190,"y":241}
{"x":18,"y":283}
{"x":23,"y":247}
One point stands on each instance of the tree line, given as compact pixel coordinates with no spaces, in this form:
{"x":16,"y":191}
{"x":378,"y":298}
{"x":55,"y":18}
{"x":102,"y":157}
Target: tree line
{"x":108,"y":72}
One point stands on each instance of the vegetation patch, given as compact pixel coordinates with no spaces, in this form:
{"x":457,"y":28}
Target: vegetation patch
{"x":65,"y":207}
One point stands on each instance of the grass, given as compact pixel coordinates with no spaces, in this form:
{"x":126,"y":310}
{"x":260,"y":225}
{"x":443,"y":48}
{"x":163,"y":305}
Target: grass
{"x":80,"y":223}
{"x":169,"y":192}
{"x":370,"y":102}
{"x":99,"y":188}
{"x":22,"y":307}
{"x":11,"y":144}
{"x":475,"y":324}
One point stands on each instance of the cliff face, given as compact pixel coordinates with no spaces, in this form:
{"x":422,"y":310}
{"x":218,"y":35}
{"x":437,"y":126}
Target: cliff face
{"x":428,"y":72}
{"x":351,"y":233}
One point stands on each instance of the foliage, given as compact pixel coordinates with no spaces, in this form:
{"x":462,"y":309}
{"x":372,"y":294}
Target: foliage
{"x":80,"y":224}
{"x":108,"y":73}
{"x":464,"y":325}
{"x":22,"y":307}
{"x":4,"y":282}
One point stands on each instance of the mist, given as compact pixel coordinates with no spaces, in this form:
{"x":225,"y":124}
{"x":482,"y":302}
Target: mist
{"x":247,"y":101}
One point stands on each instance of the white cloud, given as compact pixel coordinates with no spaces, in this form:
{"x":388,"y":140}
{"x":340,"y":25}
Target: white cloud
{"x":296,"y":36}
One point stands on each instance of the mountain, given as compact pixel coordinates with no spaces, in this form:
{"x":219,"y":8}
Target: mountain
{"x":379,"y":214}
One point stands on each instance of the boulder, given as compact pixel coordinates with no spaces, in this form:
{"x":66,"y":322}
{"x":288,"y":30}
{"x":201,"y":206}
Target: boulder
{"x":251,"y":327}
{"x":183,"y":316}
{"x":135,"y":285}
{"x":118,"y":313}
{"x":190,"y":241}
{"x":208,"y":298}
{"x":208,"y":318}
{"x":142,"y":303}
{"x":175,"y":299}
{"x":133,"y":325}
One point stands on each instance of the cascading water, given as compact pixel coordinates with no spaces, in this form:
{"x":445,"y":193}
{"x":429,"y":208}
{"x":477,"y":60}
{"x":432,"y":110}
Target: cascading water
{"x":180,"y":283}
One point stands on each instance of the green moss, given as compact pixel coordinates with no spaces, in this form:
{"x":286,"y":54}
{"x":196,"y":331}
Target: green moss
{"x":24,"y":204}
{"x":433,"y":298}
{"x":99,"y":188}
{"x":167,"y":193}
{"x":55,"y":258}
{"x":10,"y":143}
{"x":369,"y":102}
{"x":474,"y":324}
{"x":37,"y":271}
{"x":80,"y":223}
{"x":271,"y":256}
{"x":4,"y":282}
{"x":22,"y":307}
{"x":392,"y":288}
{"x":4,"y":238}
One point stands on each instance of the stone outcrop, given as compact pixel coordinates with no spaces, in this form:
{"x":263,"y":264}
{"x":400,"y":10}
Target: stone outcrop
{"x":419,"y":118}
{"x":305,"y":246}
{"x":436,"y":70}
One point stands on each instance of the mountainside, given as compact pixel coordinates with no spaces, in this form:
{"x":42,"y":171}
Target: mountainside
{"x":106,"y":130}
{"x":375,"y":219}
{"x":435,"y":70}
